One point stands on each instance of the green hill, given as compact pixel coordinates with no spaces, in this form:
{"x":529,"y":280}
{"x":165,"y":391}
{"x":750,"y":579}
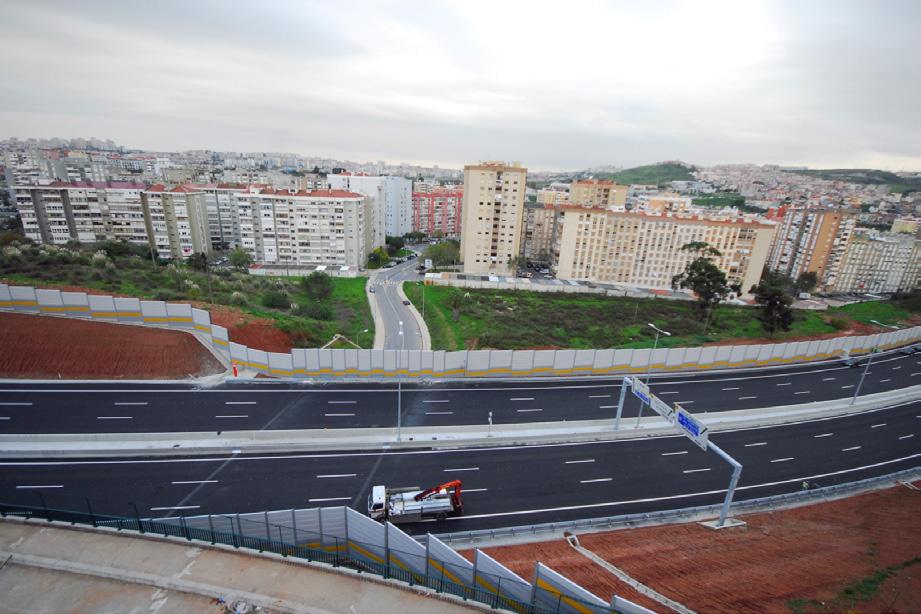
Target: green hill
{"x":867,"y":176}
{"x":651,"y":174}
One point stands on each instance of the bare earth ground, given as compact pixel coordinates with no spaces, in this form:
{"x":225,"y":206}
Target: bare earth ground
{"x":830,"y":557}
{"x":34,"y":346}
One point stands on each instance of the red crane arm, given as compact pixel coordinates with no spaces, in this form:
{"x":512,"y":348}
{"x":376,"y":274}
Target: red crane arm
{"x":455,"y":495}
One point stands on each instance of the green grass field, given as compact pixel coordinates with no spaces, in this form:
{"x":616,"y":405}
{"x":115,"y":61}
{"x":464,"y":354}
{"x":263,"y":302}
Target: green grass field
{"x":345,"y":311}
{"x":518,"y":320}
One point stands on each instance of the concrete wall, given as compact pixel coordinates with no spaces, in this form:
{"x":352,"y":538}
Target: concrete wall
{"x":318,"y":364}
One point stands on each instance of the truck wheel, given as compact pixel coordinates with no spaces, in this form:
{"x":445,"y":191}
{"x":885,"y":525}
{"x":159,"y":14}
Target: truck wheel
{"x":440,"y":516}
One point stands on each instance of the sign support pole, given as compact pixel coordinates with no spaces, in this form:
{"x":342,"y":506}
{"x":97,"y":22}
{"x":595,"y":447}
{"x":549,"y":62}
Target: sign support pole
{"x":620,"y":403}
{"x":733,"y":481}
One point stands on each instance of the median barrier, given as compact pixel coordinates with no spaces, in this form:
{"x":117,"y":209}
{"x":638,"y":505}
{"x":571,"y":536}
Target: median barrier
{"x":420,"y":365}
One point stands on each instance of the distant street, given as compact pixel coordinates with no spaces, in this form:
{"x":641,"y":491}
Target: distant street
{"x":392,"y":309}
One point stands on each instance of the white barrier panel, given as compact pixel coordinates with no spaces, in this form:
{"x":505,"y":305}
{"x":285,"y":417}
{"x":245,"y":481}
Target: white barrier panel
{"x":556,"y":593}
{"x":496,"y":578}
{"x":445,"y":563}
{"x":23,"y":298}
{"x":128,"y":309}
{"x":48,"y":298}
{"x":281,"y":364}
{"x":333,"y":527}
{"x":583,"y":361}
{"x":478,"y":362}
{"x":367,"y":538}
{"x":75,"y":299}
{"x":405,"y":553}
{"x":153,"y":311}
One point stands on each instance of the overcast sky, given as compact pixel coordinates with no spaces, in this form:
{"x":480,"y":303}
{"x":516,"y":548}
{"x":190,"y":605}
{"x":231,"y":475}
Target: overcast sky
{"x":561,"y":85}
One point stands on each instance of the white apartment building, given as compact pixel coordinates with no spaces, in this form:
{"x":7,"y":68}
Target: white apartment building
{"x":553,"y":195}
{"x":176,"y":220}
{"x":644,"y":250}
{"x":319,"y":227}
{"x":884,"y":262}
{"x":811,"y":240}
{"x":88,"y":212}
{"x":493,"y":211}
{"x":391,"y":199}
{"x":223,"y":219}
{"x":598,"y":193}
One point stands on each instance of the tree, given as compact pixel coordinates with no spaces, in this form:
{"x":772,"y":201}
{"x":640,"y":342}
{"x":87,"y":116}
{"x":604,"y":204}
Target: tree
{"x":455,"y":300}
{"x":775,"y":302}
{"x":807,"y":281}
{"x":443,"y":254}
{"x":397,"y":242}
{"x":239,"y":259}
{"x":703,"y":277}
{"x":414,"y":236}
{"x":198,"y":261}
{"x":276,"y":299}
{"x":318,"y":285}
{"x":378,"y":258}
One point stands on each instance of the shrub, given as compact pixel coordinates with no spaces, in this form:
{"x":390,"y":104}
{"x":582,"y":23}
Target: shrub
{"x":839,"y":323}
{"x":276,"y":299}
{"x":238,"y":299}
{"x":166,"y":295}
{"x":99,"y":259}
{"x":317,"y":311}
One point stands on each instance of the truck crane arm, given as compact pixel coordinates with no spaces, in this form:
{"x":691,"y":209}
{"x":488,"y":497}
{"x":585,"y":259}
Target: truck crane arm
{"x":455,"y":494}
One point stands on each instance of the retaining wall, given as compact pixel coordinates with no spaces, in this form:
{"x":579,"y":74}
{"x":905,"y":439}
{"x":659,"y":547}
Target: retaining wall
{"x":317,"y":363}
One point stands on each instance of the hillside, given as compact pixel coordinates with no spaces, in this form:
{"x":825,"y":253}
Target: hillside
{"x":651,"y":174}
{"x":866,"y":176}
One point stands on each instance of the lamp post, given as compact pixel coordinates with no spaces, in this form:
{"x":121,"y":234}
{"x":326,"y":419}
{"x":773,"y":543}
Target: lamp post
{"x":400,"y":386}
{"x":360,"y":333}
{"x":655,"y":345}
{"x":422,"y":283}
{"x":866,"y":368}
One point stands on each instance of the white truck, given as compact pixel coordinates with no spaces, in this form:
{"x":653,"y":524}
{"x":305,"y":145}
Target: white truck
{"x":413,"y":504}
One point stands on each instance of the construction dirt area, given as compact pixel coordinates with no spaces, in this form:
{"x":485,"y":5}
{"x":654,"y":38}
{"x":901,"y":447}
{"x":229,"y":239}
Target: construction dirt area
{"x":49,"y":347}
{"x":861,"y":554}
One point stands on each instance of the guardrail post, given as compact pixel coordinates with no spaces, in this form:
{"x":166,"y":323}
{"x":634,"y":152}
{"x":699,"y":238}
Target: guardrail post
{"x":268,"y":534}
{"x":495,"y":604}
{"x":294,"y":526}
{"x":137,"y":516}
{"x":185,"y":527}
{"x":44,"y":506}
{"x":211,"y":528}
{"x":336,"y":551}
{"x":90,"y":508}
{"x":559,"y":602}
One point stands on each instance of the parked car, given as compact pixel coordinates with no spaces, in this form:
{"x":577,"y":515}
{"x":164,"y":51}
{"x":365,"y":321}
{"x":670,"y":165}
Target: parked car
{"x":544,"y":271}
{"x":406,"y":303}
{"x":911,"y":349}
{"x":372,"y":289}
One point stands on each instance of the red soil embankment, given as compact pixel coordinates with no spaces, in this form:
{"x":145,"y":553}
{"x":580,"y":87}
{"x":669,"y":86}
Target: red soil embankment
{"x":43,"y":347}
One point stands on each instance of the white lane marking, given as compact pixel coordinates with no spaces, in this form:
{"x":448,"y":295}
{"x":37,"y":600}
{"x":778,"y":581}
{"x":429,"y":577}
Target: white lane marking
{"x":674,"y":453}
{"x":782,"y":460}
{"x":907,"y":436}
{"x":695,"y":470}
{"x":130,"y":403}
{"x":595,"y":480}
{"x":685,"y":402}
{"x":876,"y":426}
{"x":43,"y":486}
{"x":883,"y":381}
{"x":521,"y":399}
{"x":113,"y":417}
{"x":466,"y":490}
{"x":607,"y":406}
{"x":462,"y":469}
{"x":599,"y":396}
{"x":337,"y":475}
{"x":689,"y":495}
{"x":576,"y":462}
{"x":342,"y":402}
{"x":752,"y":445}
{"x":174,"y":507}
{"x":828,"y":379}
{"x":823,"y":435}
{"x":4,"y":417}
{"x":521,"y":411}
{"x":914,"y":374}
{"x":745,"y":398}
{"x":196,"y":482}
{"x":338,"y":415}
{"x":850,"y":449}
{"x":436,"y":401}
{"x":731,"y":388}
{"x":785,"y":384}
{"x":239,"y":402}
{"x":233,"y":416}
{"x":12,"y":403}
{"x":329,"y":499}
{"x":802,"y":392}
{"x":897,"y":368}
{"x":438,"y":413}
{"x":671,"y":392}
{"x":846,"y":387}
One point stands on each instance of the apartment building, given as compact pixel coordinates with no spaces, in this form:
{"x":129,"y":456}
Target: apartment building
{"x":598,"y":193}
{"x":223,"y":220}
{"x":88,"y":212}
{"x":438,"y":210}
{"x":664,"y":203}
{"x":493,"y":210}
{"x":319,"y":227}
{"x":811,"y":240}
{"x":391,"y":200}
{"x":644,"y":250}
{"x":553,"y":195}
{"x":878,"y":262}
{"x":540,"y":232}
{"x":176,"y":220}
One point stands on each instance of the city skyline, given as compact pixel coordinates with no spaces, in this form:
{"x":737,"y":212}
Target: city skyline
{"x":823,"y":85}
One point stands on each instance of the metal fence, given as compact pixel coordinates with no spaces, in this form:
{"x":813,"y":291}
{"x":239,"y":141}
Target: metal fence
{"x":687,"y":513}
{"x":341,"y":537}
{"x":417,"y":364}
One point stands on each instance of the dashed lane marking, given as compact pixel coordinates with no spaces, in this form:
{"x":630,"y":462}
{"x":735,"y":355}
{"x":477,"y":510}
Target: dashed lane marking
{"x":746,"y":398}
{"x":823,"y":435}
{"x":599,"y":396}
{"x":244,"y":402}
{"x":436,"y":401}
{"x":521,"y":399}
{"x":41,"y":486}
{"x":907,"y":436}
{"x":752,"y":445}
{"x":338,"y":415}
{"x":876,"y":426}
{"x":324,"y":500}
{"x":336,"y":475}
{"x":174,"y":507}
{"x":342,"y":402}
{"x":130,"y":403}
{"x":785,"y":384}
{"x":576,"y":462}
{"x":850,"y":449}
{"x":462,"y":469}
{"x":782,"y":460}
{"x":233,"y":416}
{"x":674,"y":453}
{"x":695,"y":470}
{"x":595,"y":480}
{"x":438,"y":413}
{"x":521,"y":411}
{"x":731,"y":388}
{"x":196,"y":482}
{"x":114,"y":417}
{"x":12,"y":403}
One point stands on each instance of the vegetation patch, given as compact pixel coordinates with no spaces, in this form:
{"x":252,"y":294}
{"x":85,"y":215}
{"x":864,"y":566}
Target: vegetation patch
{"x":651,"y":174}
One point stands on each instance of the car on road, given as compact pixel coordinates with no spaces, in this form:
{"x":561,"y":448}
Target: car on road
{"x":372,"y":289}
{"x":406,"y":302}
{"x":911,"y":349}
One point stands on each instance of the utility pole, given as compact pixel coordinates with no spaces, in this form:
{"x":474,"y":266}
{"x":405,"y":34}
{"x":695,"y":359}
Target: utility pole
{"x":655,"y":345}
{"x":875,"y":349}
{"x":400,"y":386}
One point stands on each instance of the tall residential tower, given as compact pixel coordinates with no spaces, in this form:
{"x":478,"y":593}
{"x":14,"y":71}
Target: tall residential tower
{"x":493,"y":210}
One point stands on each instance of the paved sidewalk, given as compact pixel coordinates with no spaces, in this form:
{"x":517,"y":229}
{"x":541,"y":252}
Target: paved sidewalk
{"x":53,"y":568}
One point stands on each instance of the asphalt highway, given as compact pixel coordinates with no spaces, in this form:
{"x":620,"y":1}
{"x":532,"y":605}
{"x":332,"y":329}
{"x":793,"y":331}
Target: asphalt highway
{"x":140,"y":408}
{"x":392,"y":309}
{"x":503,"y":486}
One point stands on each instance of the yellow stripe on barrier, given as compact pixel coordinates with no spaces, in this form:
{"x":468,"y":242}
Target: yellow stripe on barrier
{"x":219,"y":341}
{"x":57,"y":309}
{"x":204,"y":329}
{"x":19,"y":303}
{"x":543,"y":584}
{"x":166,"y":319}
{"x":116,"y":314}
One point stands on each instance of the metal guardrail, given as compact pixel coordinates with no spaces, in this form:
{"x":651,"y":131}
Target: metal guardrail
{"x":628,"y":520}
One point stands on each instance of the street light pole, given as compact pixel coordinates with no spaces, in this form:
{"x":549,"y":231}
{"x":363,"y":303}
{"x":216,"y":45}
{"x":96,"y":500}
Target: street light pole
{"x":866,"y":368}
{"x":360,"y":333}
{"x":655,"y":345}
{"x":400,"y":386}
